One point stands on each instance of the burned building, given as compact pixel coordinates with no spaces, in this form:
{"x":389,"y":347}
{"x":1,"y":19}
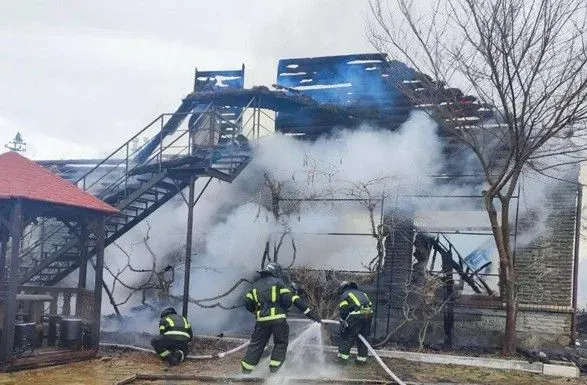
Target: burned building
{"x":546,"y":264}
{"x":209,"y":137}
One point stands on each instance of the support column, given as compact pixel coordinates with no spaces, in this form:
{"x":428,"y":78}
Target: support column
{"x":4,"y":235}
{"x":188,"y":248}
{"x":16,"y":222}
{"x":97,"y":310}
{"x":83,"y":267}
{"x":447,"y":272}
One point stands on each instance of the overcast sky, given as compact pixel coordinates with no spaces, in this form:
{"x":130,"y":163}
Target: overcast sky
{"x":92,"y":73}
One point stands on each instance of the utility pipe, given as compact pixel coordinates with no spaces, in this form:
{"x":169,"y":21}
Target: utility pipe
{"x":576,"y":263}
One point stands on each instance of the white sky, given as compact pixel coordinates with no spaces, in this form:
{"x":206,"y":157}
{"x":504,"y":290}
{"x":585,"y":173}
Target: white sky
{"x":82,"y":76}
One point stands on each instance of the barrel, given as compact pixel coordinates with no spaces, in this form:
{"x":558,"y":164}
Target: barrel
{"x":70,"y":332}
{"x":25,"y":336}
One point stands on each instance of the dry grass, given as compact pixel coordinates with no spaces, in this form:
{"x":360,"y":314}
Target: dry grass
{"x":118,"y":365}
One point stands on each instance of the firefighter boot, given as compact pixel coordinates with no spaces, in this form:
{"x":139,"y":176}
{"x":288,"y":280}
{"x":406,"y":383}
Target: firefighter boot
{"x":176,"y":358}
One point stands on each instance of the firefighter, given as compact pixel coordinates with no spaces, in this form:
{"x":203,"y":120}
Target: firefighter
{"x":355,"y":318}
{"x":269,"y":300}
{"x":175,"y":332}
{"x":302,"y":306}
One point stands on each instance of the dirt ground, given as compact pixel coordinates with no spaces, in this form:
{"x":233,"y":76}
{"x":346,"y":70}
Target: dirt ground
{"x":114,"y":366}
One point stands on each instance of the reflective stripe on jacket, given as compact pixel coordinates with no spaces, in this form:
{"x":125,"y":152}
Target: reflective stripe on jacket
{"x":300,"y":304}
{"x":175,"y":325}
{"x":353,"y":302}
{"x":269,"y":299}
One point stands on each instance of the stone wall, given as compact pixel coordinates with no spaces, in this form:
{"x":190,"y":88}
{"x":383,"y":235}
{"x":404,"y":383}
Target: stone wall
{"x":544,"y":267}
{"x":484,"y":328}
{"x":544,"y":264}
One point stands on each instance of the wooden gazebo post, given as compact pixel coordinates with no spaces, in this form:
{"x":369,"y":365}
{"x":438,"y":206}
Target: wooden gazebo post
{"x":83,"y":265}
{"x":99,"y":233}
{"x":16,"y":223}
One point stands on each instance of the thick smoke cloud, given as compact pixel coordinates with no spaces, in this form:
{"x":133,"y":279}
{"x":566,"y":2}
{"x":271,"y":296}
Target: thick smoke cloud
{"x":233,"y":221}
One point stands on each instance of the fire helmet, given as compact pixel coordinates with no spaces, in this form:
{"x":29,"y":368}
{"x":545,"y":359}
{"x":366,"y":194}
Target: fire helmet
{"x":168,"y":311}
{"x":272,"y":268}
{"x":296,"y":287}
{"x":345,"y":285}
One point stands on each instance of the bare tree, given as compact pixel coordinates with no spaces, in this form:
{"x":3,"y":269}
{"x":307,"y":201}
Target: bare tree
{"x":285,"y":199}
{"x":423,"y":302}
{"x":371,"y":196}
{"x":154,"y":280}
{"x":275,"y":188}
{"x":523,"y":60}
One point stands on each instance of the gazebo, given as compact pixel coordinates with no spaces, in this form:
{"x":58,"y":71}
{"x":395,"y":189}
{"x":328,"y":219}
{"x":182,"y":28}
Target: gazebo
{"x":40,"y":317}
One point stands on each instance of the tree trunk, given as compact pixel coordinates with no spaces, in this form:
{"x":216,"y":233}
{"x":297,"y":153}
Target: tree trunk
{"x":511,"y":316}
{"x":506,"y":271}
{"x":422,"y":335}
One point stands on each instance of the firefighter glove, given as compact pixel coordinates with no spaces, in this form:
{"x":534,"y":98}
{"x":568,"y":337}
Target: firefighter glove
{"x":313,"y":316}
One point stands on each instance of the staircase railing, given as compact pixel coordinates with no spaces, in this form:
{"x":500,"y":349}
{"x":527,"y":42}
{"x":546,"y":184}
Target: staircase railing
{"x":121,"y":167}
{"x":117,"y":181}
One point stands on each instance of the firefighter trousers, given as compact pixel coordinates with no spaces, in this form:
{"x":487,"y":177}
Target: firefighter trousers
{"x":279,"y":329}
{"x":357,"y":324}
{"x":165,"y":345}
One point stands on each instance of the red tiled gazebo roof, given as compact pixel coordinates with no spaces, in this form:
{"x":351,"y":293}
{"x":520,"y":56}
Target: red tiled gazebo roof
{"x":23,"y":178}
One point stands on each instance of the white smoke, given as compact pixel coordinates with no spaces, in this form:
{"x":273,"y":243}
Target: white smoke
{"x":410,"y":154}
{"x":232,"y":222}
{"x":233,"y":241}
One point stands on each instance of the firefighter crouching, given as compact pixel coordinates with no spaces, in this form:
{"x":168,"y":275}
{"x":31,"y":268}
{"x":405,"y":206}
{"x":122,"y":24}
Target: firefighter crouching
{"x":355,"y":318}
{"x":175,"y":332}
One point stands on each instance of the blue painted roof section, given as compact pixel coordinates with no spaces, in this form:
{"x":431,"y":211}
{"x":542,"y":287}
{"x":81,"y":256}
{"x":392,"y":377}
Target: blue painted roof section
{"x":363,"y":81}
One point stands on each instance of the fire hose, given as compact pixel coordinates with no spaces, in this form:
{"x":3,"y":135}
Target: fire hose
{"x":188,"y":357}
{"x":373,"y":353}
{"x":245,"y":344}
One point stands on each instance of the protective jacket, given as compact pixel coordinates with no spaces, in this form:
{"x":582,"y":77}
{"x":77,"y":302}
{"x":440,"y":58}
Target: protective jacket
{"x":269,"y":299}
{"x":300,"y":304}
{"x":354,"y":302}
{"x":355,"y":314}
{"x":176,"y":327}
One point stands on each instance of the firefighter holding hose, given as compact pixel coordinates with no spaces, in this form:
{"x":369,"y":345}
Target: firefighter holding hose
{"x":269,"y":300}
{"x":175,"y":332}
{"x":355,"y":318}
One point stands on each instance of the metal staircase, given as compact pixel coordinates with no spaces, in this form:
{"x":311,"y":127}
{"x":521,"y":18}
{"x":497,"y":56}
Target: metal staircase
{"x":190,"y":146}
{"x":442,"y":245}
{"x":428,"y":248}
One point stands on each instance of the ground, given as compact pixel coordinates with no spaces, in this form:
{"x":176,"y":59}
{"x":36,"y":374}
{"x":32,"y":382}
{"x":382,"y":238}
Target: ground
{"x":114,"y":366}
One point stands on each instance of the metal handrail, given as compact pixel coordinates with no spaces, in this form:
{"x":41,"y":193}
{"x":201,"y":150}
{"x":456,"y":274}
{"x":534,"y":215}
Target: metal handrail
{"x":118,"y":181}
{"x":125,"y":161}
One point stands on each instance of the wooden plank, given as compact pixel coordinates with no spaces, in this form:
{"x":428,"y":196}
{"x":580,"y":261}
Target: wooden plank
{"x":49,"y":359}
